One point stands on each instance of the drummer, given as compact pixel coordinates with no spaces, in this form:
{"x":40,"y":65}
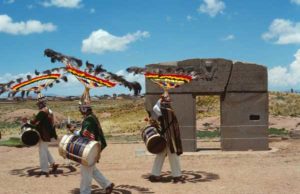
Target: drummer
{"x":44,"y":124}
{"x":170,"y":130}
{"x":91,"y":129}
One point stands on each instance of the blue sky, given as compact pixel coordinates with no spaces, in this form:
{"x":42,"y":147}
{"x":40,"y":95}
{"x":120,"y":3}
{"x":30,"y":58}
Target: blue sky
{"x":119,"y":34}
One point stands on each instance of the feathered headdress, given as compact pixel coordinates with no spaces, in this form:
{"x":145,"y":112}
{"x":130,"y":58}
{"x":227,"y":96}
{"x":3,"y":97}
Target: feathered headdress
{"x":92,"y":76}
{"x":166,"y":78}
{"x":32,"y":83}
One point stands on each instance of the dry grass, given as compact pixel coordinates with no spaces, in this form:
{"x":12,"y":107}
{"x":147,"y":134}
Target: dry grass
{"x":127,"y":116}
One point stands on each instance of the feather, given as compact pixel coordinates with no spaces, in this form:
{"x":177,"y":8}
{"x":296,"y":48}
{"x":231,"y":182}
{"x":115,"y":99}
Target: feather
{"x":14,"y":93}
{"x":27,"y":93}
{"x":136,"y":70}
{"x":10,"y":83}
{"x":19,"y":80}
{"x":50,"y":85}
{"x":89,"y":65}
{"x":57,"y":81}
{"x":36,"y":72}
{"x":64,"y":78}
{"x":99,"y":69}
{"x":22,"y":94}
{"x":55,"y":69}
{"x":47,"y":72}
{"x":29,"y":77}
{"x":56,"y":56}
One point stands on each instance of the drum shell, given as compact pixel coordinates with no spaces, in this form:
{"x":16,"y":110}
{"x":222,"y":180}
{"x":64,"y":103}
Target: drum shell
{"x":86,"y":153}
{"x":154,"y":142}
{"x":29,"y":136}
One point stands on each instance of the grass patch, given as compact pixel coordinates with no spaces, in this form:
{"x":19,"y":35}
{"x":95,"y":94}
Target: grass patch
{"x":208,"y":134}
{"x":278,"y":132}
{"x":12,"y":142}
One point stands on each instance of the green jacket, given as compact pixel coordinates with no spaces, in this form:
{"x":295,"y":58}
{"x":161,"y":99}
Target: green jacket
{"x":91,"y":129}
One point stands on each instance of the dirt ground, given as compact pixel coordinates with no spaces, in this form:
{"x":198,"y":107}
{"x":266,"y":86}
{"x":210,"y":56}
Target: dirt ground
{"x":207,"y":171}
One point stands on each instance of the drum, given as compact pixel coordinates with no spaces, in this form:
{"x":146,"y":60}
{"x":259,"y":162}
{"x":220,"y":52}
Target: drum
{"x":155,"y":143}
{"x":79,"y":149}
{"x":29,"y":136}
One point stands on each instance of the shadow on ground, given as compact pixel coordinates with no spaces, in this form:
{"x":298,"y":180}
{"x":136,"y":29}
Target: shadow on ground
{"x":62,"y":170}
{"x":119,"y":189}
{"x":188,"y":177}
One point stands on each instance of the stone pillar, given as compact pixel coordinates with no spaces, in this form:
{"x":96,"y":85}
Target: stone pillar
{"x":244,"y":121}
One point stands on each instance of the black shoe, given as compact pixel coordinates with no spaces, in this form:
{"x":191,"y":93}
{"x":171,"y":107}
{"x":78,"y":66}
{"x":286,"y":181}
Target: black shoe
{"x":54,"y":168}
{"x":177,"y":179}
{"x":154,"y":178}
{"x":110,"y":188}
{"x":44,"y":173}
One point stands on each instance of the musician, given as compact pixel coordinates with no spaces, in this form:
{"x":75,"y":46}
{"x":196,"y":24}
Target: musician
{"x":44,"y":124}
{"x":91,"y":129}
{"x":169,"y":128}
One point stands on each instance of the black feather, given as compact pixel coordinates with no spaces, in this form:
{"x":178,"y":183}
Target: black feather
{"x":57,"y":81}
{"x":99,"y":69}
{"x":22,"y":94}
{"x":29,"y":77}
{"x":10,"y":83}
{"x":27,"y":93}
{"x":56,"y":56}
{"x":36,"y":72}
{"x":47,"y":72}
{"x":50,"y":85}
{"x":89,"y":65}
{"x":19,"y":80}
{"x":64,"y":78}
{"x":55,"y":69}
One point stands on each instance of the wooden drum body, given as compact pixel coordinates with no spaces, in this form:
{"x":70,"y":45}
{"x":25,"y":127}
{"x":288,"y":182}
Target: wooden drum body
{"x":79,"y":149}
{"x":154,"y":142}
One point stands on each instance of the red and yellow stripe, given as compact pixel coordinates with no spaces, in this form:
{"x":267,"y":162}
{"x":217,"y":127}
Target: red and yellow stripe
{"x":33,"y":80}
{"x":87,"y":76}
{"x":170,"y":77}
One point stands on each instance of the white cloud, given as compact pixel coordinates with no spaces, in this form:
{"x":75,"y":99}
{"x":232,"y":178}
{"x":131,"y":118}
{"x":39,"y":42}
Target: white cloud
{"x":92,"y":11}
{"x":62,"y":3}
{"x":31,"y":26}
{"x":286,"y":76}
{"x":190,"y":18}
{"x":296,"y":2}
{"x":283,"y":31}
{"x":101,"y":41}
{"x":8,"y":1}
{"x":212,"y":7}
{"x":229,"y":37}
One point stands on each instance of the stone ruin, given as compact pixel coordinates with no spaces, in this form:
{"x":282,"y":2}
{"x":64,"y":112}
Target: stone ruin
{"x":243,"y":91}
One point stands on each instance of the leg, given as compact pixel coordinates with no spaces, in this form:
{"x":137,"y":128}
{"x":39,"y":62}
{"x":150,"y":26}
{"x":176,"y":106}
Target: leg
{"x":174,"y":164}
{"x":158,"y":163}
{"x":98,"y":176}
{"x":86,"y":179}
{"x":43,"y":156}
{"x":51,"y":161}
{"x":50,"y":158}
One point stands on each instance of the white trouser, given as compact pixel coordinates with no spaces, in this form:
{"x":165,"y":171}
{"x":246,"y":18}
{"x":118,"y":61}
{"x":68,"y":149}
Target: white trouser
{"x":173,"y":160}
{"x":45,"y":156}
{"x":87,"y":175}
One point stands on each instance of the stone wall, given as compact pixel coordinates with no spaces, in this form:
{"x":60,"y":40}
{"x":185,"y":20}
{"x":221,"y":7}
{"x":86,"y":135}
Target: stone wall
{"x":243,"y":90}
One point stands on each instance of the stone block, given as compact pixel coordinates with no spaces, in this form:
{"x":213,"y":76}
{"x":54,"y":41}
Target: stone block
{"x":231,"y":144}
{"x":247,"y":77}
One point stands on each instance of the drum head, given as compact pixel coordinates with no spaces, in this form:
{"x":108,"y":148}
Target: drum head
{"x":156,"y":145}
{"x":30,"y":137}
